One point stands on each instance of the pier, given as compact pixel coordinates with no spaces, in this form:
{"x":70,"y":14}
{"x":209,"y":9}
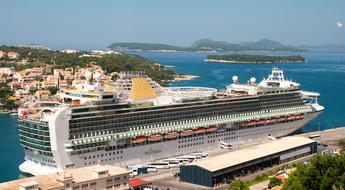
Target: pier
{"x":329,"y":136}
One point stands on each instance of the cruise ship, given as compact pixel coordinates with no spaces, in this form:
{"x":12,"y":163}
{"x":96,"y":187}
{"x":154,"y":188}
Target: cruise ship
{"x":134,"y":120}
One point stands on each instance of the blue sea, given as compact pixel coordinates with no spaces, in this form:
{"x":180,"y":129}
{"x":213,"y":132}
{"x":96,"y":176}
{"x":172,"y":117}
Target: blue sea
{"x":323,"y":72}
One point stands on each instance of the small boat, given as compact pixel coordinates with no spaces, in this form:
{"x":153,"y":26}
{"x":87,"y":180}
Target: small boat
{"x":200,"y":130}
{"x":156,"y":137}
{"x":291,"y":117}
{"x":300,"y":116}
{"x":251,"y":123}
{"x":260,"y":122}
{"x":211,"y":129}
{"x":186,"y":132}
{"x":272,"y":120}
{"x":282,"y":118}
{"x":170,"y":135}
{"x":138,"y":139}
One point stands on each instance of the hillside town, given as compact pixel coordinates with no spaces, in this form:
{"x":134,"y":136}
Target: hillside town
{"x":18,"y":87}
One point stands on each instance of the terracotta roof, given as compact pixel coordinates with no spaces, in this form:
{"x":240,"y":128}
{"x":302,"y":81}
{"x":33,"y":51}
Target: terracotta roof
{"x":136,"y":182}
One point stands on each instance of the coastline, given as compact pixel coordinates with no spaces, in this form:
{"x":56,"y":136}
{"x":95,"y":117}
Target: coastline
{"x":180,"y":77}
{"x":228,"y":61}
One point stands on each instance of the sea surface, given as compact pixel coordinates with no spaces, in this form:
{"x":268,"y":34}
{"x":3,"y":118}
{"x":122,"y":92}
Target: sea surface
{"x":323,"y":72}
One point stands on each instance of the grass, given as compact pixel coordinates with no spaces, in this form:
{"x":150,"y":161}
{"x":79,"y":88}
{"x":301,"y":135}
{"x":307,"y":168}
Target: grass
{"x":260,"y":179}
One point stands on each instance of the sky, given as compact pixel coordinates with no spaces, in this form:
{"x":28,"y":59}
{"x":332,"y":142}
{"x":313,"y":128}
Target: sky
{"x":86,"y":24}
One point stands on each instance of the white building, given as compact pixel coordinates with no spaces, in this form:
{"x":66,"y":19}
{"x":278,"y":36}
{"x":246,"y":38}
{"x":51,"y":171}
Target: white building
{"x":7,"y":70}
{"x":100,"y":177}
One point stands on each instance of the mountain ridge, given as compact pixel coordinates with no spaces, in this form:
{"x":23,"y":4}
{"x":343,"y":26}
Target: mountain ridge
{"x":206,"y":45}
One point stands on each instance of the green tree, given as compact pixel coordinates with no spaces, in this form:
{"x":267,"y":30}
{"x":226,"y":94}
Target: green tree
{"x":324,"y":172}
{"x":5,"y":91}
{"x":342,"y":143}
{"x":52,"y":89}
{"x":274,"y":182}
{"x":9,"y":105}
{"x":238,"y":185}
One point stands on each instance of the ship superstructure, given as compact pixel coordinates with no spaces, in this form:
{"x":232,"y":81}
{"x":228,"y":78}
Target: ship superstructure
{"x":135,"y":120}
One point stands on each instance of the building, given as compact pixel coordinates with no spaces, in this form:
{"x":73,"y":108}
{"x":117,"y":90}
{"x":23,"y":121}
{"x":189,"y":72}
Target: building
{"x":229,"y":166}
{"x":22,"y":93}
{"x":69,"y":51}
{"x":98,"y":177}
{"x":3,"y":54}
{"x":7,"y":70}
{"x":42,"y":95}
{"x":12,"y":55}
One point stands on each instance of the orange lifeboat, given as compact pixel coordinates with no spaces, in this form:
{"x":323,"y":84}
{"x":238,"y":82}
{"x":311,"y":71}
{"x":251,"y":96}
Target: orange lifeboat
{"x":251,"y":123}
{"x":170,"y":135}
{"x":200,"y":130}
{"x":261,"y":122}
{"x":186,"y":133}
{"x":300,"y":116}
{"x":138,"y":139}
{"x":155,"y":137}
{"x":211,"y":129}
{"x":291,"y":117}
{"x":282,"y":118}
{"x":272,"y":120}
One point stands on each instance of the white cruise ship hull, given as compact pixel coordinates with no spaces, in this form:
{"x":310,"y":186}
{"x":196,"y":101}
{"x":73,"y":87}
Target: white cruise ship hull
{"x":150,"y":152}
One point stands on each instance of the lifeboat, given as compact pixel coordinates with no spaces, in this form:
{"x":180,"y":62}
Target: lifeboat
{"x":138,"y":139}
{"x":272,"y":120}
{"x":186,"y":132}
{"x":300,"y":116}
{"x":211,"y":129}
{"x":251,"y":123}
{"x":200,"y":130}
{"x":170,"y":135}
{"x":261,"y":122}
{"x":291,"y":117}
{"x":283,"y":118}
{"x":156,"y":137}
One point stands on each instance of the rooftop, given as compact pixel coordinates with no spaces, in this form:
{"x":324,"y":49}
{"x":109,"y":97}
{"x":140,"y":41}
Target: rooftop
{"x":251,"y":153}
{"x":78,"y":175}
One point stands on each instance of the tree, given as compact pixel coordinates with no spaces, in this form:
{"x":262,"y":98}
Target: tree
{"x":324,"y":172}
{"x":52,"y":89}
{"x":238,"y":185}
{"x":9,"y":105}
{"x":5,"y":91}
{"x":342,"y":143}
{"x":274,"y":182}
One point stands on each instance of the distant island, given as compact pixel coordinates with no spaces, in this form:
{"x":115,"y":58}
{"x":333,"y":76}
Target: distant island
{"x":206,"y":45}
{"x":246,"y":58}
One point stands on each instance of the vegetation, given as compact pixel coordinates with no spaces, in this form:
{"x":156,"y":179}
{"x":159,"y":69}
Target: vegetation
{"x":238,"y":185}
{"x":5,"y":93}
{"x":110,"y":63}
{"x":260,"y":178}
{"x":257,"y":58}
{"x":324,"y":172}
{"x":52,"y":89}
{"x":274,"y":182}
{"x":342,"y":143}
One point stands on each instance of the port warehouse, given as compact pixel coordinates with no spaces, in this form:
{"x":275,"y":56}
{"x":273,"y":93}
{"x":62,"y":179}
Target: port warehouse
{"x":241,"y":162}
